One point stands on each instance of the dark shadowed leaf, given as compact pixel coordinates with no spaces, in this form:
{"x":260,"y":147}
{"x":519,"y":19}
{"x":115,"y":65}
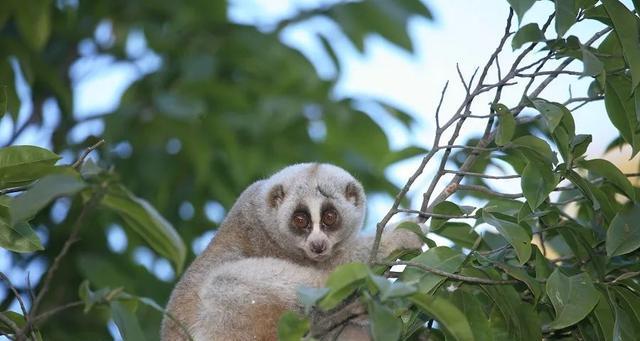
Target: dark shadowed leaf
{"x":460,"y":233}
{"x":445,"y":208}
{"x":621,"y":109}
{"x":507,"y":125}
{"x":521,"y":7}
{"x":592,"y":64}
{"x":610,"y":172}
{"x":623,"y":235}
{"x":515,"y":234}
{"x":127,"y":322}
{"x":572,"y":298}
{"x":566,"y":13}
{"x":626,"y":27}
{"x":384,"y":324}
{"x":527,"y":34}
{"x":537,"y":182}
{"x":536,"y":145}
{"x":551,"y":112}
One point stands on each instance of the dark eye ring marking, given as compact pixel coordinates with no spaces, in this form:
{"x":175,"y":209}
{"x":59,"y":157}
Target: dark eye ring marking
{"x":300,"y":220}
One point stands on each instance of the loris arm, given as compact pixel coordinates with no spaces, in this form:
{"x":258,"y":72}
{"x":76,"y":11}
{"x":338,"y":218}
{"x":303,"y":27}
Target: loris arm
{"x":392,"y":239}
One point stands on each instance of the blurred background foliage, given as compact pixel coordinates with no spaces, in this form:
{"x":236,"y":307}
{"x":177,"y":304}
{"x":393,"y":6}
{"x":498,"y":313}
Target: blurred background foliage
{"x":227,"y":105}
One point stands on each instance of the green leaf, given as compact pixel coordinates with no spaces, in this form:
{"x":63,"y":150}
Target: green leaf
{"x":593,"y":66}
{"x":27,"y":204}
{"x":441,"y":258}
{"x":537,"y":182}
{"x":461,"y":234}
{"x":521,"y":7}
{"x":17,"y":318}
{"x":527,"y":34}
{"x":308,"y":297}
{"x":127,"y":322}
{"x":33,"y":19}
{"x":20,"y":165}
{"x":446,"y":208}
{"x":388,"y":289}
{"x":551,"y":112}
{"x":515,"y":234}
{"x":626,"y":28}
{"x":292,"y":327}
{"x":384,"y":324}
{"x":623,"y":236}
{"x":19,"y":237}
{"x":573,"y":298}
{"x":623,"y":328}
{"x":471,"y":307}
{"x":604,"y":317}
{"x":610,"y":172}
{"x":144,"y":220}
{"x":621,"y":109}
{"x":4,"y":100}
{"x":343,"y":281}
{"x":415,"y":228}
{"x":579,"y":144}
{"x":566,"y":14}
{"x":521,"y":275}
{"x":446,"y":313}
{"x":507,"y":126}
{"x":536,"y":145}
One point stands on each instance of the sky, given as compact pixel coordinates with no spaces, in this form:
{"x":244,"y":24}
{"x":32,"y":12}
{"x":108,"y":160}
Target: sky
{"x":463,"y":32}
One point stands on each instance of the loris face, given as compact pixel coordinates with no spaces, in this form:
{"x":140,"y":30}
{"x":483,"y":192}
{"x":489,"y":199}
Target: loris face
{"x":317,"y":207}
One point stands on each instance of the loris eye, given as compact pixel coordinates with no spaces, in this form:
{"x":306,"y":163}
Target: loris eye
{"x":329,"y":217}
{"x":300,"y":220}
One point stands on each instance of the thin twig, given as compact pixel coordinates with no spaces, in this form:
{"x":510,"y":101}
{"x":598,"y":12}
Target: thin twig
{"x":483,"y":189}
{"x":444,"y":90}
{"x":86,"y":153}
{"x":481,"y":175}
{"x":73,"y":237}
{"x":56,"y":310}
{"x":457,"y":277}
{"x":435,"y":215}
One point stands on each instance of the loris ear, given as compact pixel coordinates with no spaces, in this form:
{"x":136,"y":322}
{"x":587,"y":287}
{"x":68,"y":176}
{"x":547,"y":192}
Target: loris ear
{"x":353,"y":193}
{"x":276,"y":196}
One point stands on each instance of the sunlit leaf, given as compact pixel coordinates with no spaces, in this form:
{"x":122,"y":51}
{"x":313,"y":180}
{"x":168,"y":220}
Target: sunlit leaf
{"x":20,"y":165}
{"x":446,"y":313}
{"x":292,"y":327}
{"x":441,"y":258}
{"x":145,"y":220}
{"x":28,"y":203}
{"x":342,"y":282}
{"x":521,"y":7}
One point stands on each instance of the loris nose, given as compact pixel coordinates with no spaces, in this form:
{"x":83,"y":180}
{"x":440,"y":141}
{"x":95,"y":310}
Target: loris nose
{"x":318,"y":246}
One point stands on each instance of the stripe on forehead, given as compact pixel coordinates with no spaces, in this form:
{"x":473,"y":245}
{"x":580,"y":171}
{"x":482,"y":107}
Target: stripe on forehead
{"x":314,"y":204}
